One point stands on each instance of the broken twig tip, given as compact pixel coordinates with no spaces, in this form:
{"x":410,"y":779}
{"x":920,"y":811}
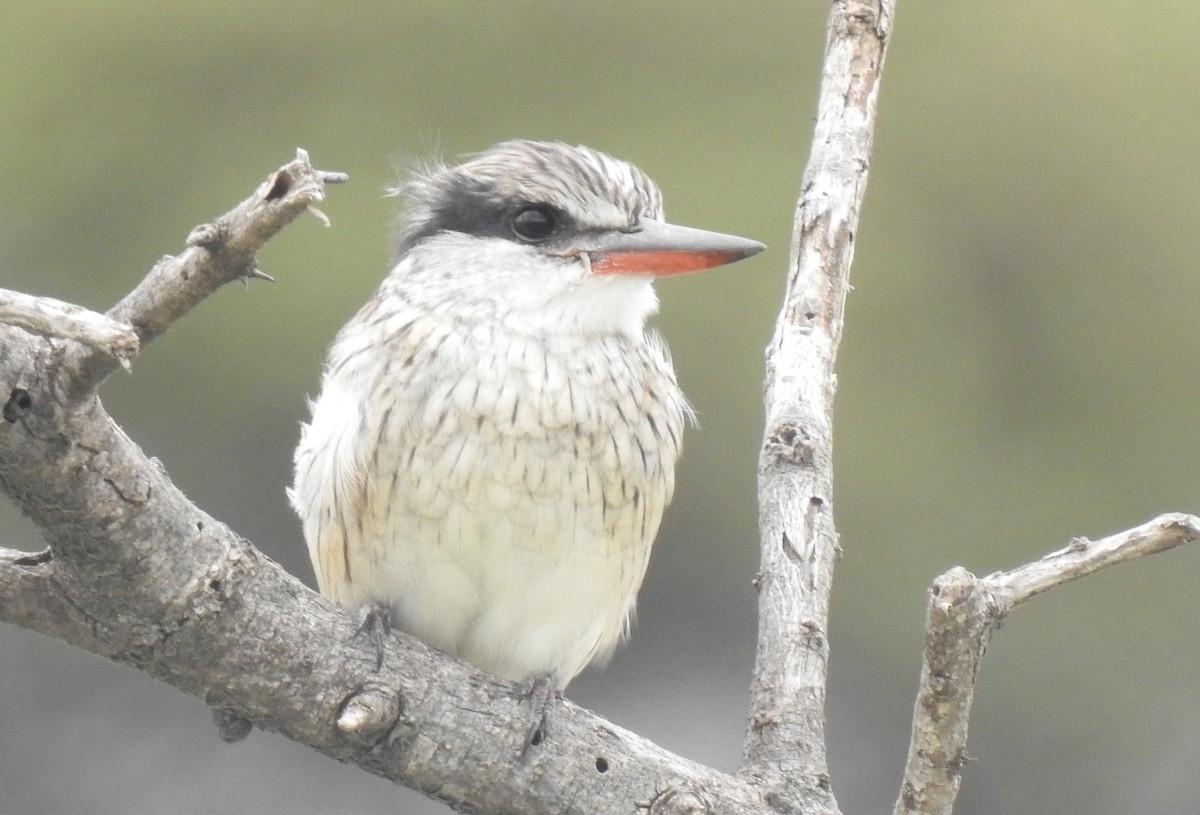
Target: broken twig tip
{"x":320,"y":216}
{"x":258,"y":274}
{"x":325,"y":176}
{"x":255,"y":274}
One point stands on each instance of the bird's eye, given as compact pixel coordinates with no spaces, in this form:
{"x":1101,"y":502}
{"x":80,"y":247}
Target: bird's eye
{"x":535,"y":223}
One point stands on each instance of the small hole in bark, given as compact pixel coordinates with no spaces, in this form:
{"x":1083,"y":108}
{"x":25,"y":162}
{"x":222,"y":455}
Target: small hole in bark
{"x":601,"y":764}
{"x":18,"y":402}
{"x":283,"y":183}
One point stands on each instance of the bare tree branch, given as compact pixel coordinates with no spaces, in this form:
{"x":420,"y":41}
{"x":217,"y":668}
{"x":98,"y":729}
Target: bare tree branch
{"x":218,"y":253}
{"x":1082,"y":557}
{"x":959,"y":620}
{"x":54,"y":318}
{"x":785,"y":742}
{"x":962,"y":613}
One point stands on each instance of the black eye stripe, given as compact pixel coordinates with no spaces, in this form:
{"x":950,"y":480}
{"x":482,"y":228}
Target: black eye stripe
{"x":481,"y":196}
{"x":474,"y":209}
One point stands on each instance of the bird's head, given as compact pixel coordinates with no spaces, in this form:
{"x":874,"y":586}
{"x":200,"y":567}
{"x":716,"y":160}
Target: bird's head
{"x":546,"y":236}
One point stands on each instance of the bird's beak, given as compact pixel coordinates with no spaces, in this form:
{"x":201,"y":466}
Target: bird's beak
{"x":660,"y":249}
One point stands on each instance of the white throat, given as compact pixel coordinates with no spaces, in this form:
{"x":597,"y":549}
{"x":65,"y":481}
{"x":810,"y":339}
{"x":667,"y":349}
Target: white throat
{"x":489,"y":279}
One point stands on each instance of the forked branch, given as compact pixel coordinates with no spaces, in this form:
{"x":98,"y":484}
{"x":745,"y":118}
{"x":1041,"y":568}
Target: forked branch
{"x":962,"y":613}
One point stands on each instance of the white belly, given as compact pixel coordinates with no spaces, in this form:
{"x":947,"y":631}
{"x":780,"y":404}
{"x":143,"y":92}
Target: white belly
{"x":501,"y":494}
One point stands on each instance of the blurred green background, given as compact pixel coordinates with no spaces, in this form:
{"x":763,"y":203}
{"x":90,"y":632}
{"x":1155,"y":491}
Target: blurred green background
{"x":1019,"y":364}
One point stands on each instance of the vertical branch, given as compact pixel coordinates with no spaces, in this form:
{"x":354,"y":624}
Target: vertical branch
{"x":785,"y":743}
{"x":960,"y":616}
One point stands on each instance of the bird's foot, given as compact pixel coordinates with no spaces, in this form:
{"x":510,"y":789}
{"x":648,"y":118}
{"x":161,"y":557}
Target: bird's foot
{"x":375,"y":621}
{"x":539,"y":693}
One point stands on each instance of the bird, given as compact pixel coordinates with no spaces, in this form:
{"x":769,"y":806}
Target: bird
{"x":497,"y":430}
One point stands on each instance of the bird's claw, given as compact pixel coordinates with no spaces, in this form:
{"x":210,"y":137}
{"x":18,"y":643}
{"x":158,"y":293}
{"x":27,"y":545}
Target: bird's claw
{"x":376,"y":624}
{"x":539,"y":693}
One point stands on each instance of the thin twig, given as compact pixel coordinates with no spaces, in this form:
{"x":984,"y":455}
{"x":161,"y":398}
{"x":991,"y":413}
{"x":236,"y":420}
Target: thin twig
{"x":1082,"y":557}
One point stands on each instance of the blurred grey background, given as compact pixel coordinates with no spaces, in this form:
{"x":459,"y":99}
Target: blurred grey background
{"x":1019,"y":364}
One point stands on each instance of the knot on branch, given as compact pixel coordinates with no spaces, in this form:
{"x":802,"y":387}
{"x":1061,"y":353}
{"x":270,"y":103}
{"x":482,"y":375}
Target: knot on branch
{"x":813,"y":637}
{"x":207,"y":236}
{"x":790,"y":443}
{"x":231,"y":727}
{"x":369,"y":714}
{"x":679,"y":802}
